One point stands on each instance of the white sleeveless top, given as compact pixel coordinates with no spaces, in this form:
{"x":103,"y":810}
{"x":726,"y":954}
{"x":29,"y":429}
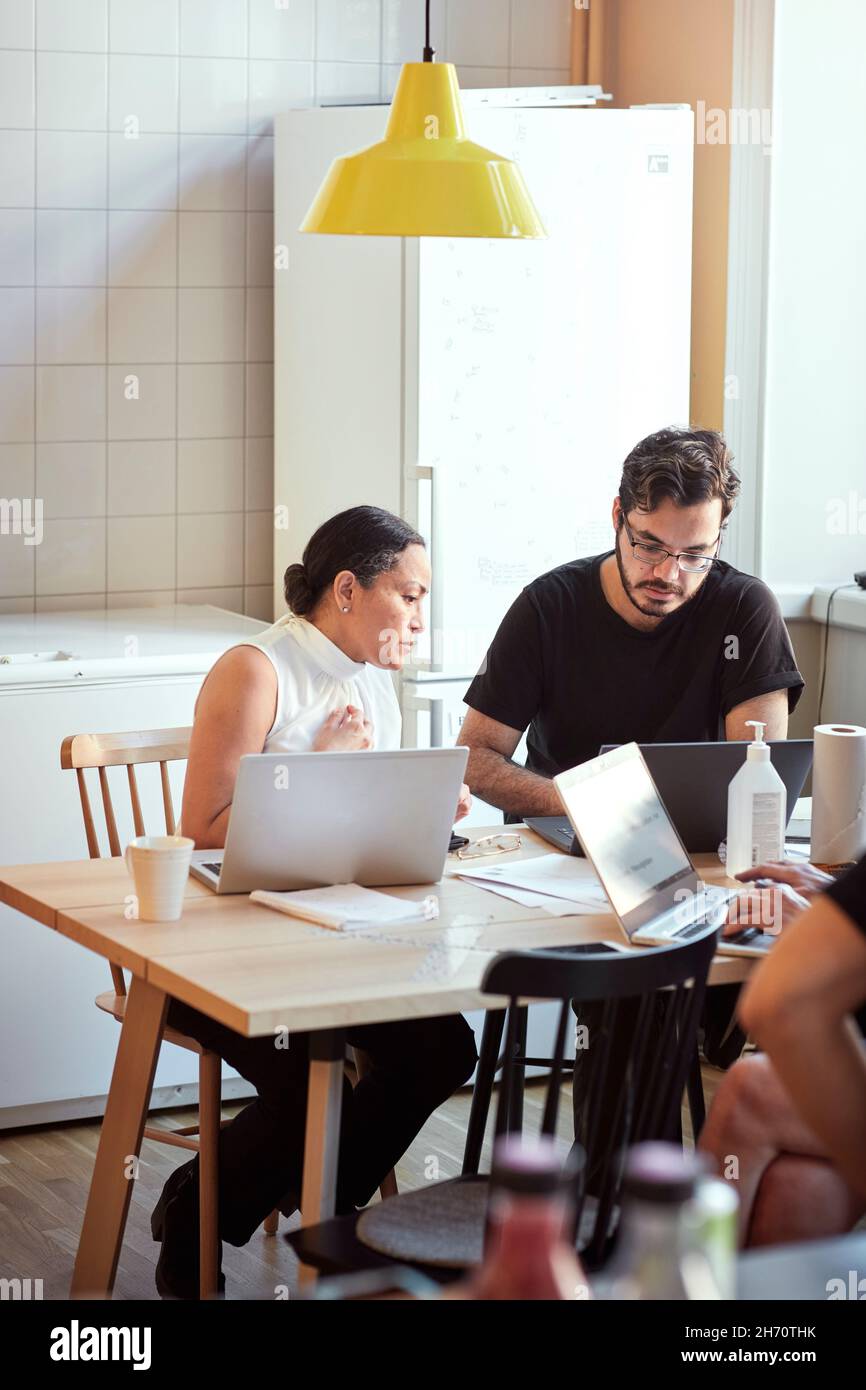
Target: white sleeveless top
{"x":314,"y":677}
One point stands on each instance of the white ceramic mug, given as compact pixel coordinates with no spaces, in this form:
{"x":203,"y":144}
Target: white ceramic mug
{"x":159,"y":866}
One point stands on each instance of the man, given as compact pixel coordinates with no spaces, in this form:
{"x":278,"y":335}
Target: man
{"x":658,"y":640}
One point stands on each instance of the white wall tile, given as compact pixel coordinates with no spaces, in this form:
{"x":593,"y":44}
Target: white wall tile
{"x":142,"y":324}
{"x":143,"y":28}
{"x":230,"y":599}
{"x":260,"y":173}
{"x":141,"y":553}
{"x":211,"y":325}
{"x":71,"y":91}
{"x":141,"y":401}
{"x":77,"y":25}
{"x":17,"y":605}
{"x":18,"y":470}
{"x":17,"y":228}
{"x":141,"y":477}
{"x":16,"y":330}
{"x":260,"y":248}
{"x":260,"y":398}
{"x":143,"y":93}
{"x":70,"y":247}
{"x":211,"y":248}
{"x":281,"y":31}
{"x":276,"y":87}
{"x":18,"y":184}
{"x":17,"y":566}
{"x":477,"y":33}
{"x":144,"y":598}
{"x":539,"y":77}
{"x":214,"y":28}
{"x":213,"y":173}
{"x":65,"y":603}
{"x":16,"y":404}
{"x":210,"y":550}
{"x":142,"y":172}
{"x":403,"y":31}
{"x":70,"y":478}
{"x":71,"y":169}
{"x":210,"y":475}
{"x":16,"y":89}
{"x":259,"y":475}
{"x":259,"y":548}
{"x":540,"y":33}
{"x":347,"y":84}
{"x":142,"y":248}
{"x":16,"y":23}
{"x":260,"y":325}
{"x":210,"y":402}
{"x":70,"y":325}
{"x":259,"y":602}
{"x":71,"y":558}
{"x":70,"y":404}
{"x":213,"y":96}
{"x":482,"y":77}
{"x":348,"y":30}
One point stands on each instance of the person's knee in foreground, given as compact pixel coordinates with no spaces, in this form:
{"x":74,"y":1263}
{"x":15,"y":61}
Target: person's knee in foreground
{"x":789,"y":1126}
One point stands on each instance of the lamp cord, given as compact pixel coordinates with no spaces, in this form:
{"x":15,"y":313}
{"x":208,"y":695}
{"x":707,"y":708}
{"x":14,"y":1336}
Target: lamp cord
{"x":428,"y":51}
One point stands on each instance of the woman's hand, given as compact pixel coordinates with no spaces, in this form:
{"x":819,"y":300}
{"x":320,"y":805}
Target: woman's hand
{"x":464,"y":802}
{"x":345,"y":730}
{"x":803,"y":878}
{"x":777,"y":894}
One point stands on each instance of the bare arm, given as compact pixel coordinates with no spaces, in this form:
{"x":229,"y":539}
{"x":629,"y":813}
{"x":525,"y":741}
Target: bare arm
{"x":797,"y":1005}
{"x":492,"y":776}
{"x":771,"y":710}
{"x":233,"y":715}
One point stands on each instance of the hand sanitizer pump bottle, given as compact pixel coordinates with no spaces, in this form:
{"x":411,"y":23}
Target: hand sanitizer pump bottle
{"x":756,"y":809}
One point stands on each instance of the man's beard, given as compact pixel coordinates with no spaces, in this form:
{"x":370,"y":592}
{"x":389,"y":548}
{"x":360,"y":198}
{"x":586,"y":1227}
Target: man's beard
{"x":655,"y":608}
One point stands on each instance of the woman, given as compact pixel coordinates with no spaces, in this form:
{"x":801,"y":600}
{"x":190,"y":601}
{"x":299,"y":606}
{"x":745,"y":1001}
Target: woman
{"x":317,"y":679}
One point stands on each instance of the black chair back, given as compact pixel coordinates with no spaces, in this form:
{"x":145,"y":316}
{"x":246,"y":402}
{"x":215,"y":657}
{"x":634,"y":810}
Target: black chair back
{"x":638,"y":992}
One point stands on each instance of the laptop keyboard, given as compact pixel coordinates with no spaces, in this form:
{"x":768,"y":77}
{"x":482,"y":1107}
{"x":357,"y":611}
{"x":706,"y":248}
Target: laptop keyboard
{"x":214,"y":868}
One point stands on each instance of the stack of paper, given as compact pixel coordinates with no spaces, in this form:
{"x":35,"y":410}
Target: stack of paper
{"x":348,"y":907}
{"x":556,"y":883}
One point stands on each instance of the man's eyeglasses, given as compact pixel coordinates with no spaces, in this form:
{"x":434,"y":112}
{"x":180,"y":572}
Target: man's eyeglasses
{"x":657,"y":555}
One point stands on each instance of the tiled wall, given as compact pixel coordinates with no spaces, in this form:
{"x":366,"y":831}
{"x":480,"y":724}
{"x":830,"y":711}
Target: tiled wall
{"x":136,"y":264}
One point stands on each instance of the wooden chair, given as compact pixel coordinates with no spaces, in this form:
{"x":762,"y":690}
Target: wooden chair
{"x":101,"y":751}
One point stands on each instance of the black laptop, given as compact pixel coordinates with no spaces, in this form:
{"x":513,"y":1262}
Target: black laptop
{"x":692,"y":779}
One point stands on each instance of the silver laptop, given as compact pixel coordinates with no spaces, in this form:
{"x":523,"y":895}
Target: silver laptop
{"x":629,"y":838}
{"x":307,"y":820}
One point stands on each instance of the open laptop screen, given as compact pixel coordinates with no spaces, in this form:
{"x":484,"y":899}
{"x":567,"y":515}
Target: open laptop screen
{"x":614,"y":807}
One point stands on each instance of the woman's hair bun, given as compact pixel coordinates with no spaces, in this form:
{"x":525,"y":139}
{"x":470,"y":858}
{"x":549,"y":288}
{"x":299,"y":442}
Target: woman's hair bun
{"x":299,"y":595}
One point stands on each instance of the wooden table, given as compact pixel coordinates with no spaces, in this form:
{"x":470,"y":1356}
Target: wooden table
{"x":258,"y":971}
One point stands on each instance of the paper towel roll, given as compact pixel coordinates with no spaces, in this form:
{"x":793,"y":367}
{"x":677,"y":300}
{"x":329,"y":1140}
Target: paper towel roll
{"x":838,"y":793}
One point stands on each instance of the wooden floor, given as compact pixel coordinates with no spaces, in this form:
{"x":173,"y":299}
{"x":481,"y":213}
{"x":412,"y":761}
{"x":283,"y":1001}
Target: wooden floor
{"x":45,"y":1173}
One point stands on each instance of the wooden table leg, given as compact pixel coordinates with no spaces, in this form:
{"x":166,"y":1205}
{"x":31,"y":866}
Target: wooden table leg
{"x":119,"y":1141}
{"x":322,"y":1135}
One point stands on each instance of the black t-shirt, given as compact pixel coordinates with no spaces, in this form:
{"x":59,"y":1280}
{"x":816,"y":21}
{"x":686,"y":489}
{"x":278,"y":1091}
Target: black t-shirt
{"x":849,"y":893}
{"x":567,"y":667}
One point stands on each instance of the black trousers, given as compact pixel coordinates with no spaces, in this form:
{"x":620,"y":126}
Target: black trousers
{"x":416,"y":1065}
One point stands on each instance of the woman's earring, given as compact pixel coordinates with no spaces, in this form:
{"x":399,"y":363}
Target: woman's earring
{"x":345,"y":610}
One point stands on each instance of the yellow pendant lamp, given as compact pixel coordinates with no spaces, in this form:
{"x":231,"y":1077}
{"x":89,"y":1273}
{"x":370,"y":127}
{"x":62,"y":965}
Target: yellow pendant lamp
{"x":425,"y":178}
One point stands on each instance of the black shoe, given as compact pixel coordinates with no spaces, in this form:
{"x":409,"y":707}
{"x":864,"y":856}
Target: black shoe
{"x":174,"y":1222}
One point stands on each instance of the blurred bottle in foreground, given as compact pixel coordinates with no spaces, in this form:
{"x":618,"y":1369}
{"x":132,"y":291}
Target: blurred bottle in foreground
{"x":528,"y":1254}
{"x":678,"y":1232}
